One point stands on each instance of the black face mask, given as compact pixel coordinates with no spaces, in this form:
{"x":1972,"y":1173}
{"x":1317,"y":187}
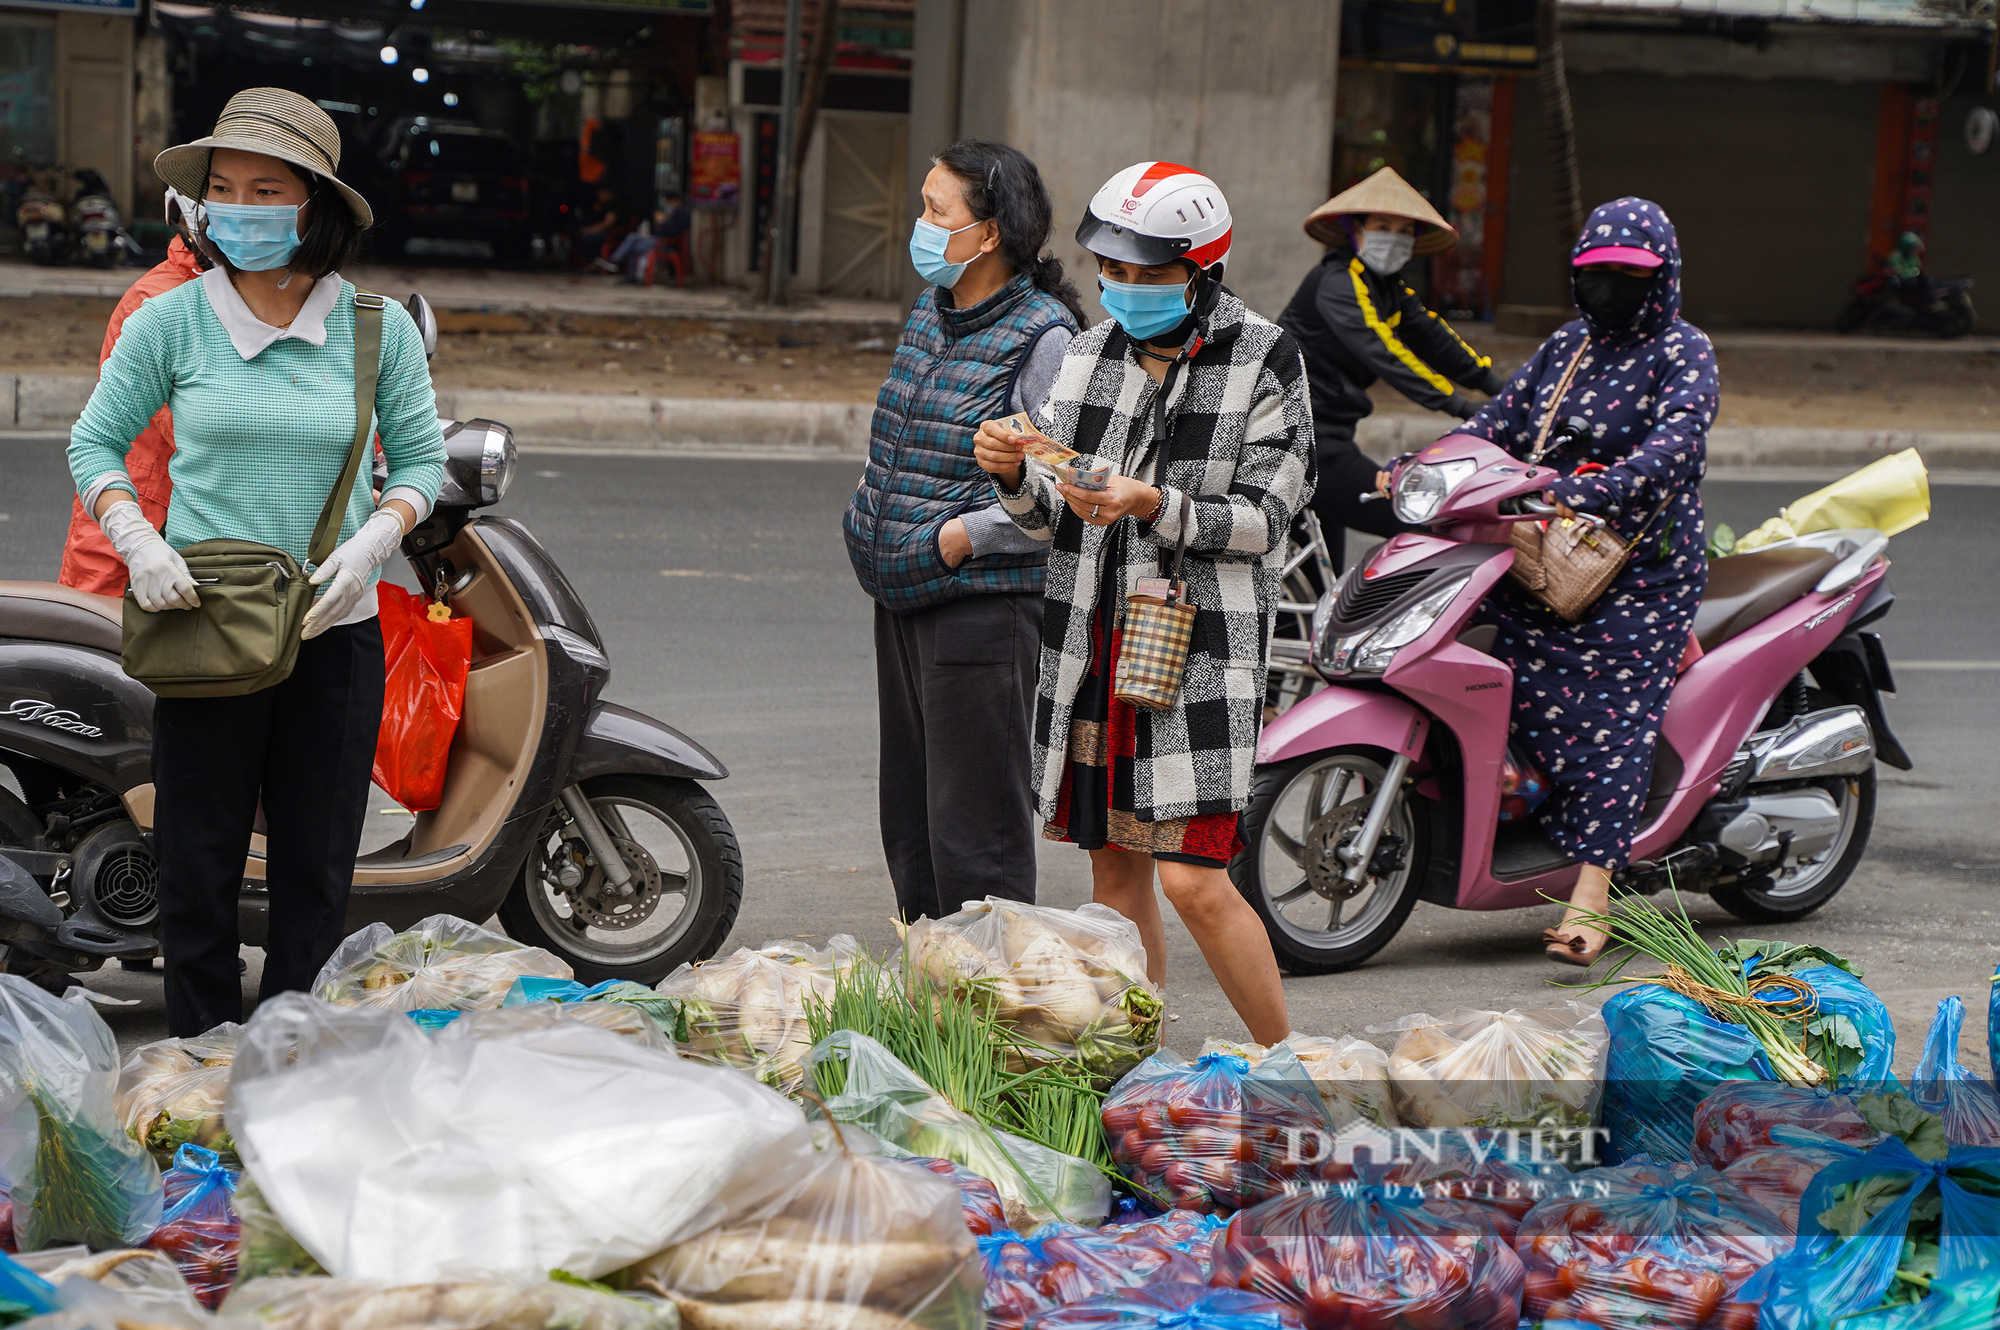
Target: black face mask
{"x":1609,"y":299}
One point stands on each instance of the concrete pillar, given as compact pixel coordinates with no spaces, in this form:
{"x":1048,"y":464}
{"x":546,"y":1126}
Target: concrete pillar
{"x":1241,"y":92}
{"x":94,"y":98}
{"x":936,"y":53}
{"x":153,"y":113}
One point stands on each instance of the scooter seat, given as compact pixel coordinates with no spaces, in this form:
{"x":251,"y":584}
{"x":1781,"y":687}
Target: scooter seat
{"x":1746,"y":589}
{"x":51,"y":612}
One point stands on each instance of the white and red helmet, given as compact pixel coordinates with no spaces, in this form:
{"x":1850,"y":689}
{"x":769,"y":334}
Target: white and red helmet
{"x":1155,"y":212}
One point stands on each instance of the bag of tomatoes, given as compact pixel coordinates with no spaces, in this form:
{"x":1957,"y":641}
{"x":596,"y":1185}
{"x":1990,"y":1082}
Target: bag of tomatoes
{"x":985,"y":1213}
{"x":1777,"y":1178}
{"x":1184,"y":1230}
{"x":1065,"y":1263}
{"x":1171,"y":1307}
{"x":1737,"y":1118}
{"x":1361,"y":1256}
{"x":199,"y":1230}
{"x":1653,"y":1247}
{"x":1218,"y":1133}
{"x":1472,"y":1168}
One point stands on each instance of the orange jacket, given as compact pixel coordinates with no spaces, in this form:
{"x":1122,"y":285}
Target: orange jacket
{"x":89,"y":563}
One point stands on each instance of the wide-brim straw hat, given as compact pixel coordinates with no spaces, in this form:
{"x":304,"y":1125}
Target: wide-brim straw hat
{"x":1384,"y":192}
{"x":272,"y":121}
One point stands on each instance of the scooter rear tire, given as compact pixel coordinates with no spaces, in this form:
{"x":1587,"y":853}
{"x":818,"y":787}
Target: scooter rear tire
{"x":1752,"y":899}
{"x":705,"y":831}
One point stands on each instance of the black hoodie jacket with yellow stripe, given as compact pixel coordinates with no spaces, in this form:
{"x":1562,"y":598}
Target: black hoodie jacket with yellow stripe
{"x":1356,"y":326}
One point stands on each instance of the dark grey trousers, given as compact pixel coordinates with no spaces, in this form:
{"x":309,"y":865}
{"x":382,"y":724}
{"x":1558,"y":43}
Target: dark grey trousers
{"x":957,"y":691}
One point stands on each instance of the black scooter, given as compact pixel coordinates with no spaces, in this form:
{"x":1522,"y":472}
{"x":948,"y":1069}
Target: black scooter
{"x":580,"y":822}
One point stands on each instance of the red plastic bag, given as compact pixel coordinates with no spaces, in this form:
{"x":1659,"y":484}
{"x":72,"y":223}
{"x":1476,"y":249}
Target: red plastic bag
{"x":199,"y":1229}
{"x":1777,"y":1178}
{"x":1737,"y":1117}
{"x":423,"y":696}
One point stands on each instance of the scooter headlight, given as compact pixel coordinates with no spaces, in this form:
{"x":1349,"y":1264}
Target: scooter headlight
{"x":1370,"y":650}
{"x":1423,"y":487}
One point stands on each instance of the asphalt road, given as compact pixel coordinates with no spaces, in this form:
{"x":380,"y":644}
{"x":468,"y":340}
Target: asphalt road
{"x":724,"y":595}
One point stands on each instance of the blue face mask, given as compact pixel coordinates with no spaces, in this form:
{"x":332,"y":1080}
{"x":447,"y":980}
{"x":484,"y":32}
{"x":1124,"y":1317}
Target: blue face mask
{"x":1144,"y":311}
{"x":254,"y":237}
{"x":928,"y":242}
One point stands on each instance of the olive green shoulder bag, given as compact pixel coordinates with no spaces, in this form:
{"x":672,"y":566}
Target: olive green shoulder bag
{"x":254,"y":598}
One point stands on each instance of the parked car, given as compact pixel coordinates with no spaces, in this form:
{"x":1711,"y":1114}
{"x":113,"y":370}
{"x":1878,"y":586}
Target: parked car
{"x":453,"y":181}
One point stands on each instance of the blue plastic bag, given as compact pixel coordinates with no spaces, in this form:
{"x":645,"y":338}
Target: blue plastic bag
{"x":1668,"y":1053}
{"x":1068,"y":1263}
{"x":23,"y":1293}
{"x":199,"y":1230}
{"x":1968,"y":1105}
{"x":1830,"y":1282}
{"x":432,"y":1019}
{"x":664,"y":1012}
{"x":1172,"y":1307}
{"x":1993,"y":1031}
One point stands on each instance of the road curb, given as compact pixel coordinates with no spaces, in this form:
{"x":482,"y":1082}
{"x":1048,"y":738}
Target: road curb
{"x":776,"y":427}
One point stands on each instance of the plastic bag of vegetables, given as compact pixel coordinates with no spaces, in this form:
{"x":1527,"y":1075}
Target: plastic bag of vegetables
{"x":1071,"y":982}
{"x":1188,"y":1231}
{"x":1474,"y":1170}
{"x":748,"y":1009}
{"x":1500,"y":1069}
{"x":1777,"y":1178}
{"x":76,"y":1175}
{"x":656,"y":1007}
{"x":1358,"y":1254}
{"x":1895,"y":1239}
{"x":863,"y":1240}
{"x":1969,"y":1106}
{"x":1064,"y":1263}
{"x":1738,"y":1117}
{"x":404,"y":1157}
{"x":979,"y":1199}
{"x":1351,"y":1075}
{"x":114,"y":1290}
{"x":1037,"y":1185}
{"x":1171,"y":1307}
{"x":443,"y":964}
{"x":1645,"y":1247}
{"x":1217,"y":1133}
{"x":199,"y":1229}
{"x":170,"y":1093}
{"x":264,"y":1246}
{"x":466,"y":1304}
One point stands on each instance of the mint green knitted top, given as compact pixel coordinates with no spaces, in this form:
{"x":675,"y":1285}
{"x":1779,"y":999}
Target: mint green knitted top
{"x":258,"y":443}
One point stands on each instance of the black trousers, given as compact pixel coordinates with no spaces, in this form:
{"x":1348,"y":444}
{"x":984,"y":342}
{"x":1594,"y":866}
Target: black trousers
{"x":307,"y":746}
{"x":957,"y":692}
{"x":1345,"y":474}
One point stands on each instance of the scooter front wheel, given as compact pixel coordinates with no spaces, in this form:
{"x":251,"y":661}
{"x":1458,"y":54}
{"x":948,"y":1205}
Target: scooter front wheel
{"x":684,"y":882}
{"x":1301,"y":813}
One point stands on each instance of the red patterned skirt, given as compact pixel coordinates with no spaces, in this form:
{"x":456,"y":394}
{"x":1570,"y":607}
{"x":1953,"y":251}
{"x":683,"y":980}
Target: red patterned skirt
{"x":1094,"y":806}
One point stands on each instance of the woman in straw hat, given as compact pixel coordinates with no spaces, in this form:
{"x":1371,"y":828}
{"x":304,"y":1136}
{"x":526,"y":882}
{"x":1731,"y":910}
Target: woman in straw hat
{"x":255,"y":361}
{"x":1358,"y":321}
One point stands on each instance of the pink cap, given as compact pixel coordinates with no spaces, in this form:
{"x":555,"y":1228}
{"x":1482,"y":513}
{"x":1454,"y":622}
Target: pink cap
{"x":1638,"y":258}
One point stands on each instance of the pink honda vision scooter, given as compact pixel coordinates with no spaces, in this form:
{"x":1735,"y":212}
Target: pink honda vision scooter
{"x":1385,"y":787}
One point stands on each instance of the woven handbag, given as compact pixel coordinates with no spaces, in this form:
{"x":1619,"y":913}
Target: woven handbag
{"x":1568,"y":563}
{"x":1158,"y":631}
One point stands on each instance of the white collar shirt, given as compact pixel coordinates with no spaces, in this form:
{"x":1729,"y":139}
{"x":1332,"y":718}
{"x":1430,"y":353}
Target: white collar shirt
{"x":249,"y":334}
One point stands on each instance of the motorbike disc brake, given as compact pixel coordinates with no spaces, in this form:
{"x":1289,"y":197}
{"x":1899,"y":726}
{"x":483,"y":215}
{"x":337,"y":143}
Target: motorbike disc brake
{"x":1322,"y":862}
{"x":594,"y":904}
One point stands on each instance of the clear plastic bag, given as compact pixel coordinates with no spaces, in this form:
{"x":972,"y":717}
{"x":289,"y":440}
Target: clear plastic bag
{"x":748,"y":1009}
{"x":1355,"y":1254}
{"x":1071,"y":982}
{"x":1498,"y":1069}
{"x":1738,"y":1118}
{"x":1473,"y":1169}
{"x":661,"y":1010}
{"x":443,"y":964}
{"x":1037,"y":1185}
{"x":1969,"y":1106}
{"x":1171,"y":1307}
{"x":1187,"y":1231}
{"x":1645,"y":1247}
{"x":1217,"y":1134}
{"x":1891,"y":1241}
{"x":979,"y":1199}
{"x":1351,"y":1075}
{"x":265,"y":1247}
{"x":199,"y":1229}
{"x":481,"y":1304}
{"x":126,"y":1289}
{"x":76,"y":1176}
{"x":860,"y":1233}
{"x":617,"y":1017}
{"x":170,"y":1094}
{"x":1777,"y":1178}
{"x":1668,"y":1053}
{"x":1065,"y":1263}
{"x":402,"y":1157}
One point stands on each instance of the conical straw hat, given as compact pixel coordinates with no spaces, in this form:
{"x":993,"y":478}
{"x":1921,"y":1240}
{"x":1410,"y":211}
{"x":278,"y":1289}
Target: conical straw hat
{"x":1385,"y":191}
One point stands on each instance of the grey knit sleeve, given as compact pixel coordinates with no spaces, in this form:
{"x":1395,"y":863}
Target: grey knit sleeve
{"x":1038,"y":371}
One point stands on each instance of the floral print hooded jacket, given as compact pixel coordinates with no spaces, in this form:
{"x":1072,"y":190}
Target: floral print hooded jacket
{"x":1589,"y":696}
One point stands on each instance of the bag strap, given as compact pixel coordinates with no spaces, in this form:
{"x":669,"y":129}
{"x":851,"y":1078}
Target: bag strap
{"x":1555,"y":403}
{"x":1164,"y":442}
{"x":367,"y":369}
{"x":1633,"y":543}
{"x":1180,"y":549}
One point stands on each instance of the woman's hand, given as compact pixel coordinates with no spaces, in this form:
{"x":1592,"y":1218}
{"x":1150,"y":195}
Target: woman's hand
{"x":998,"y":454}
{"x":1120,"y":495}
{"x":1382,"y":482}
{"x":954,"y":542}
{"x":1563,"y":510}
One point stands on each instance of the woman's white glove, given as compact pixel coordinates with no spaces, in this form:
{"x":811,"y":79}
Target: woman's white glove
{"x":345,"y":572}
{"x":160,"y":577}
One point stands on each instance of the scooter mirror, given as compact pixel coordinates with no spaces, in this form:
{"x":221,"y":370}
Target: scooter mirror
{"x":420,"y":310}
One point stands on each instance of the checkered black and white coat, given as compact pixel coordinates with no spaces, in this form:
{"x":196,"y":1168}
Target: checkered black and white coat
{"x":1240,"y":420}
